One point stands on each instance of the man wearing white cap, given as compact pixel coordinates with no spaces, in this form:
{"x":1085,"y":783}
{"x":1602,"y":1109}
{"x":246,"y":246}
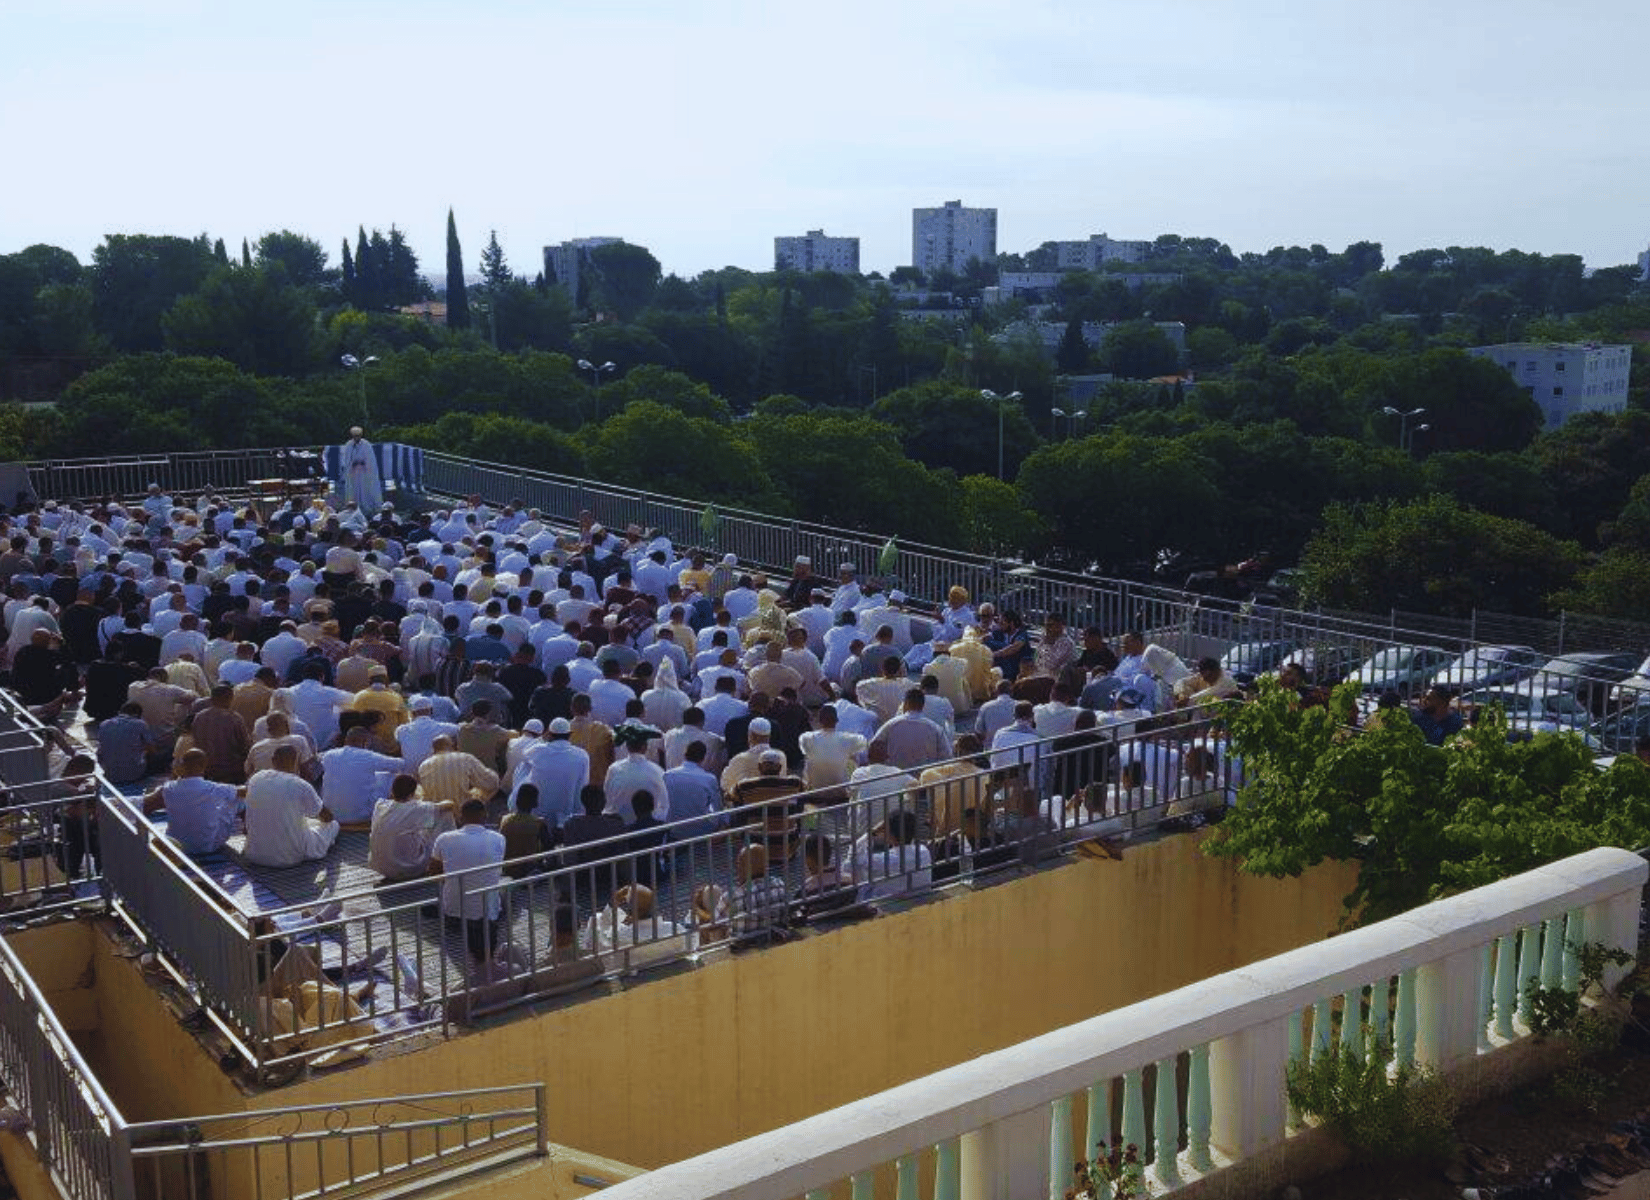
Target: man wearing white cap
{"x":558,"y":768}
{"x":361,"y":484}
{"x":744,"y":765}
{"x":847,"y":589}
{"x":802,"y":583}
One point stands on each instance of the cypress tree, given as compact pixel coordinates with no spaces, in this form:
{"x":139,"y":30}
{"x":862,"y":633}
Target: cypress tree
{"x":246,"y":254}
{"x":348,"y":273}
{"x":219,"y":253}
{"x":458,"y":300}
{"x":366,"y":272}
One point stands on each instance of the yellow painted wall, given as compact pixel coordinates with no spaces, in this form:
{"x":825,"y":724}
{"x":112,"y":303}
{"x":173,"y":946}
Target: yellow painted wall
{"x":676,"y":1066}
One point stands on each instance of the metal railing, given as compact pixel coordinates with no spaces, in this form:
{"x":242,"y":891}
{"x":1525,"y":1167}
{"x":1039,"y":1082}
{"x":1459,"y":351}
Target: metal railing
{"x":76,"y":1129}
{"x":771,"y":542}
{"x":350,"y":1148}
{"x":1444,"y":987}
{"x":559,"y":920}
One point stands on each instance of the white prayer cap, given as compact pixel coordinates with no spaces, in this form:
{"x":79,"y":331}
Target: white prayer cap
{"x":386,"y":507}
{"x":356,"y":431}
{"x":561,"y":727}
{"x":730,"y":560}
{"x":598,"y":527}
{"x":611,"y":620}
{"x":768,"y":757}
{"x":802,"y":560}
{"x":896,"y":597}
{"x":533,"y":726}
{"x":760,"y":727}
{"x":847,"y":566}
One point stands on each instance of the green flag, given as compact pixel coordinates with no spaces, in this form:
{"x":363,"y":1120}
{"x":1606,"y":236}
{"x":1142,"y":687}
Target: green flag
{"x":708,"y":521}
{"x":888,"y":560}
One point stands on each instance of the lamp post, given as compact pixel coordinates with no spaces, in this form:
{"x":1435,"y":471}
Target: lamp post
{"x":596,"y":374}
{"x":1054,"y":415}
{"x":1413,"y":432}
{"x":359,"y":366}
{"x":1403,"y":424}
{"x":999,"y":401}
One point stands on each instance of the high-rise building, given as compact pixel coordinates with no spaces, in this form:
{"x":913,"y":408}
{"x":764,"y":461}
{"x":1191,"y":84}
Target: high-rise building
{"x":949,"y":237}
{"x":813,"y":251}
{"x":563,"y":263}
{"x":1096,"y":251}
{"x":1565,"y":378}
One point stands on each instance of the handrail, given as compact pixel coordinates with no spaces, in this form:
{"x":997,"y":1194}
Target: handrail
{"x":1012,"y":1113}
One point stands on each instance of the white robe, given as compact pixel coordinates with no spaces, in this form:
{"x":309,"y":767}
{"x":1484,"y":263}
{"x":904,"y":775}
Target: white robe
{"x":360,"y":467}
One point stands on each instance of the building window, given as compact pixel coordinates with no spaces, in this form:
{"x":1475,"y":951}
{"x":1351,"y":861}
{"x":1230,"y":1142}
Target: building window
{"x":1558,"y":391}
{"x":1558,"y":366}
{"x":1529,"y":366}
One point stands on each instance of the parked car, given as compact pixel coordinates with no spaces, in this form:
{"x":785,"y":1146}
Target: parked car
{"x":1532,"y":710}
{"x":1325,"y":665}
{"x":1634,"y":688}
{"x":1487,"y":666}
{"x":1246,"y":660}
{"x":1402,"y":669}
{"x":1591,"y":678}
{"x":1619,"y":732}
{"x":1282,"y":590}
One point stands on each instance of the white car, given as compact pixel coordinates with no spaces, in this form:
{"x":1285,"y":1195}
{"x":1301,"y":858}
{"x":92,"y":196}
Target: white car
{"x":1533,"y":711}
{"x":1634,"y":689}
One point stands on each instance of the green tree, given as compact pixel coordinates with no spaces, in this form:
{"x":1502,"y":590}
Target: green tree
{"x":532,"y":318}
{"x":650,"y":446}
{"x":302,"y":257}
{"x":948,"y":425}
{"x":672,"y":389}
{"x":137,"y":277}
{"x":1433,"y":555}
{"x":458,"y":299}
{"x":254,"y":317}
{"x":1419,"y":822}
{"x":494,"y":437}
{"x":1071,"y":356}
{"x":851,"y":472}
{"x":1616,"y":584}
{"x":246,"y":253}
{"x":1122,"y":499}
{"x":623,"y":279}
{"x":996,"y":521}
{"x":1590,"y":463}
{"x":1138,"y":350}
{"x":1505,"y":485}
{"x":495,"y":272}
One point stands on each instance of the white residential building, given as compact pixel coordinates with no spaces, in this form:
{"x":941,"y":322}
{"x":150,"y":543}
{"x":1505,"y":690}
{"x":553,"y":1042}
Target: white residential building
{"x":1097,"y":251}
{"x":563,"y":263}
{"x":949,"y":237}
{"x":813,"y":251}
{"x":1565,"y":378}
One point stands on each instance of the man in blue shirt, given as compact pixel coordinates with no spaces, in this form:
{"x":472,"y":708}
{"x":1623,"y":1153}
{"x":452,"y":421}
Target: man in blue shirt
{"x":1437,"y":721}
{"x":694,"y":792}
{"x":200,"y":814}
{"x":127,"y":748}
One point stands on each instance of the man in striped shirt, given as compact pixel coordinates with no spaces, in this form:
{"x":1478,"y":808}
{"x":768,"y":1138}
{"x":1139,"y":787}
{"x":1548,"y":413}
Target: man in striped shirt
{"x":450,"y":774}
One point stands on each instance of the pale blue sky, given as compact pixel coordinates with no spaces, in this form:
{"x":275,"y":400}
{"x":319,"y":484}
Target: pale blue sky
{"x":702,"y":130}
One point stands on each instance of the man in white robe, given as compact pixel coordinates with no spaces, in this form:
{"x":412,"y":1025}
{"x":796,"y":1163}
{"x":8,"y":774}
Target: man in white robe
{"x":359,"y":464}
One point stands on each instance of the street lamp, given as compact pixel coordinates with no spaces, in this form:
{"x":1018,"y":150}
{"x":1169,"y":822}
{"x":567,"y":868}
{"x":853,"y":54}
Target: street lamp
{"x":999,"y":401}
{"x":1413,"y":432}
{"x":1403,"y":423}
{"x":360,"y":365}
{"x":596,"y":374}
{"x":1054,"y":414}
{"x":1077,"y":417}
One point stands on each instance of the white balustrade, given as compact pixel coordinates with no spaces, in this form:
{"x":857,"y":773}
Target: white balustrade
{"x":1002,"y":1126}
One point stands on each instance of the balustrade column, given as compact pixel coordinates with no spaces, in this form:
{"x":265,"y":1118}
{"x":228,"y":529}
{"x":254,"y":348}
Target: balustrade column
{"x":1248,"y":1105}
{"x":1166,"y":1124}
{"x":1446,"y":999}
{"x":1006,"y":1158}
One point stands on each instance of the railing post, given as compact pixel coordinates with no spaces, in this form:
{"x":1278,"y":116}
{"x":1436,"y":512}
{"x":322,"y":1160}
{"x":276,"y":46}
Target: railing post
{"x":1007,"y":1158}
{"x":1247,"y":1101}
{"x":541,"y":1099}
{"x":123,"y":1181}
{"x":1166,"y":1124}
{"x":1059,"y":1149}
{"x":1446,"y":1002}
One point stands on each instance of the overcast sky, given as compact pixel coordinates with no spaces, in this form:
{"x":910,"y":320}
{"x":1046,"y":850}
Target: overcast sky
{"x":702,"y":130}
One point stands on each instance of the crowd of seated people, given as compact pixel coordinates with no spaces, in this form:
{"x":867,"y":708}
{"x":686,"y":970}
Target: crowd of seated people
{"x":487,"y":696}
